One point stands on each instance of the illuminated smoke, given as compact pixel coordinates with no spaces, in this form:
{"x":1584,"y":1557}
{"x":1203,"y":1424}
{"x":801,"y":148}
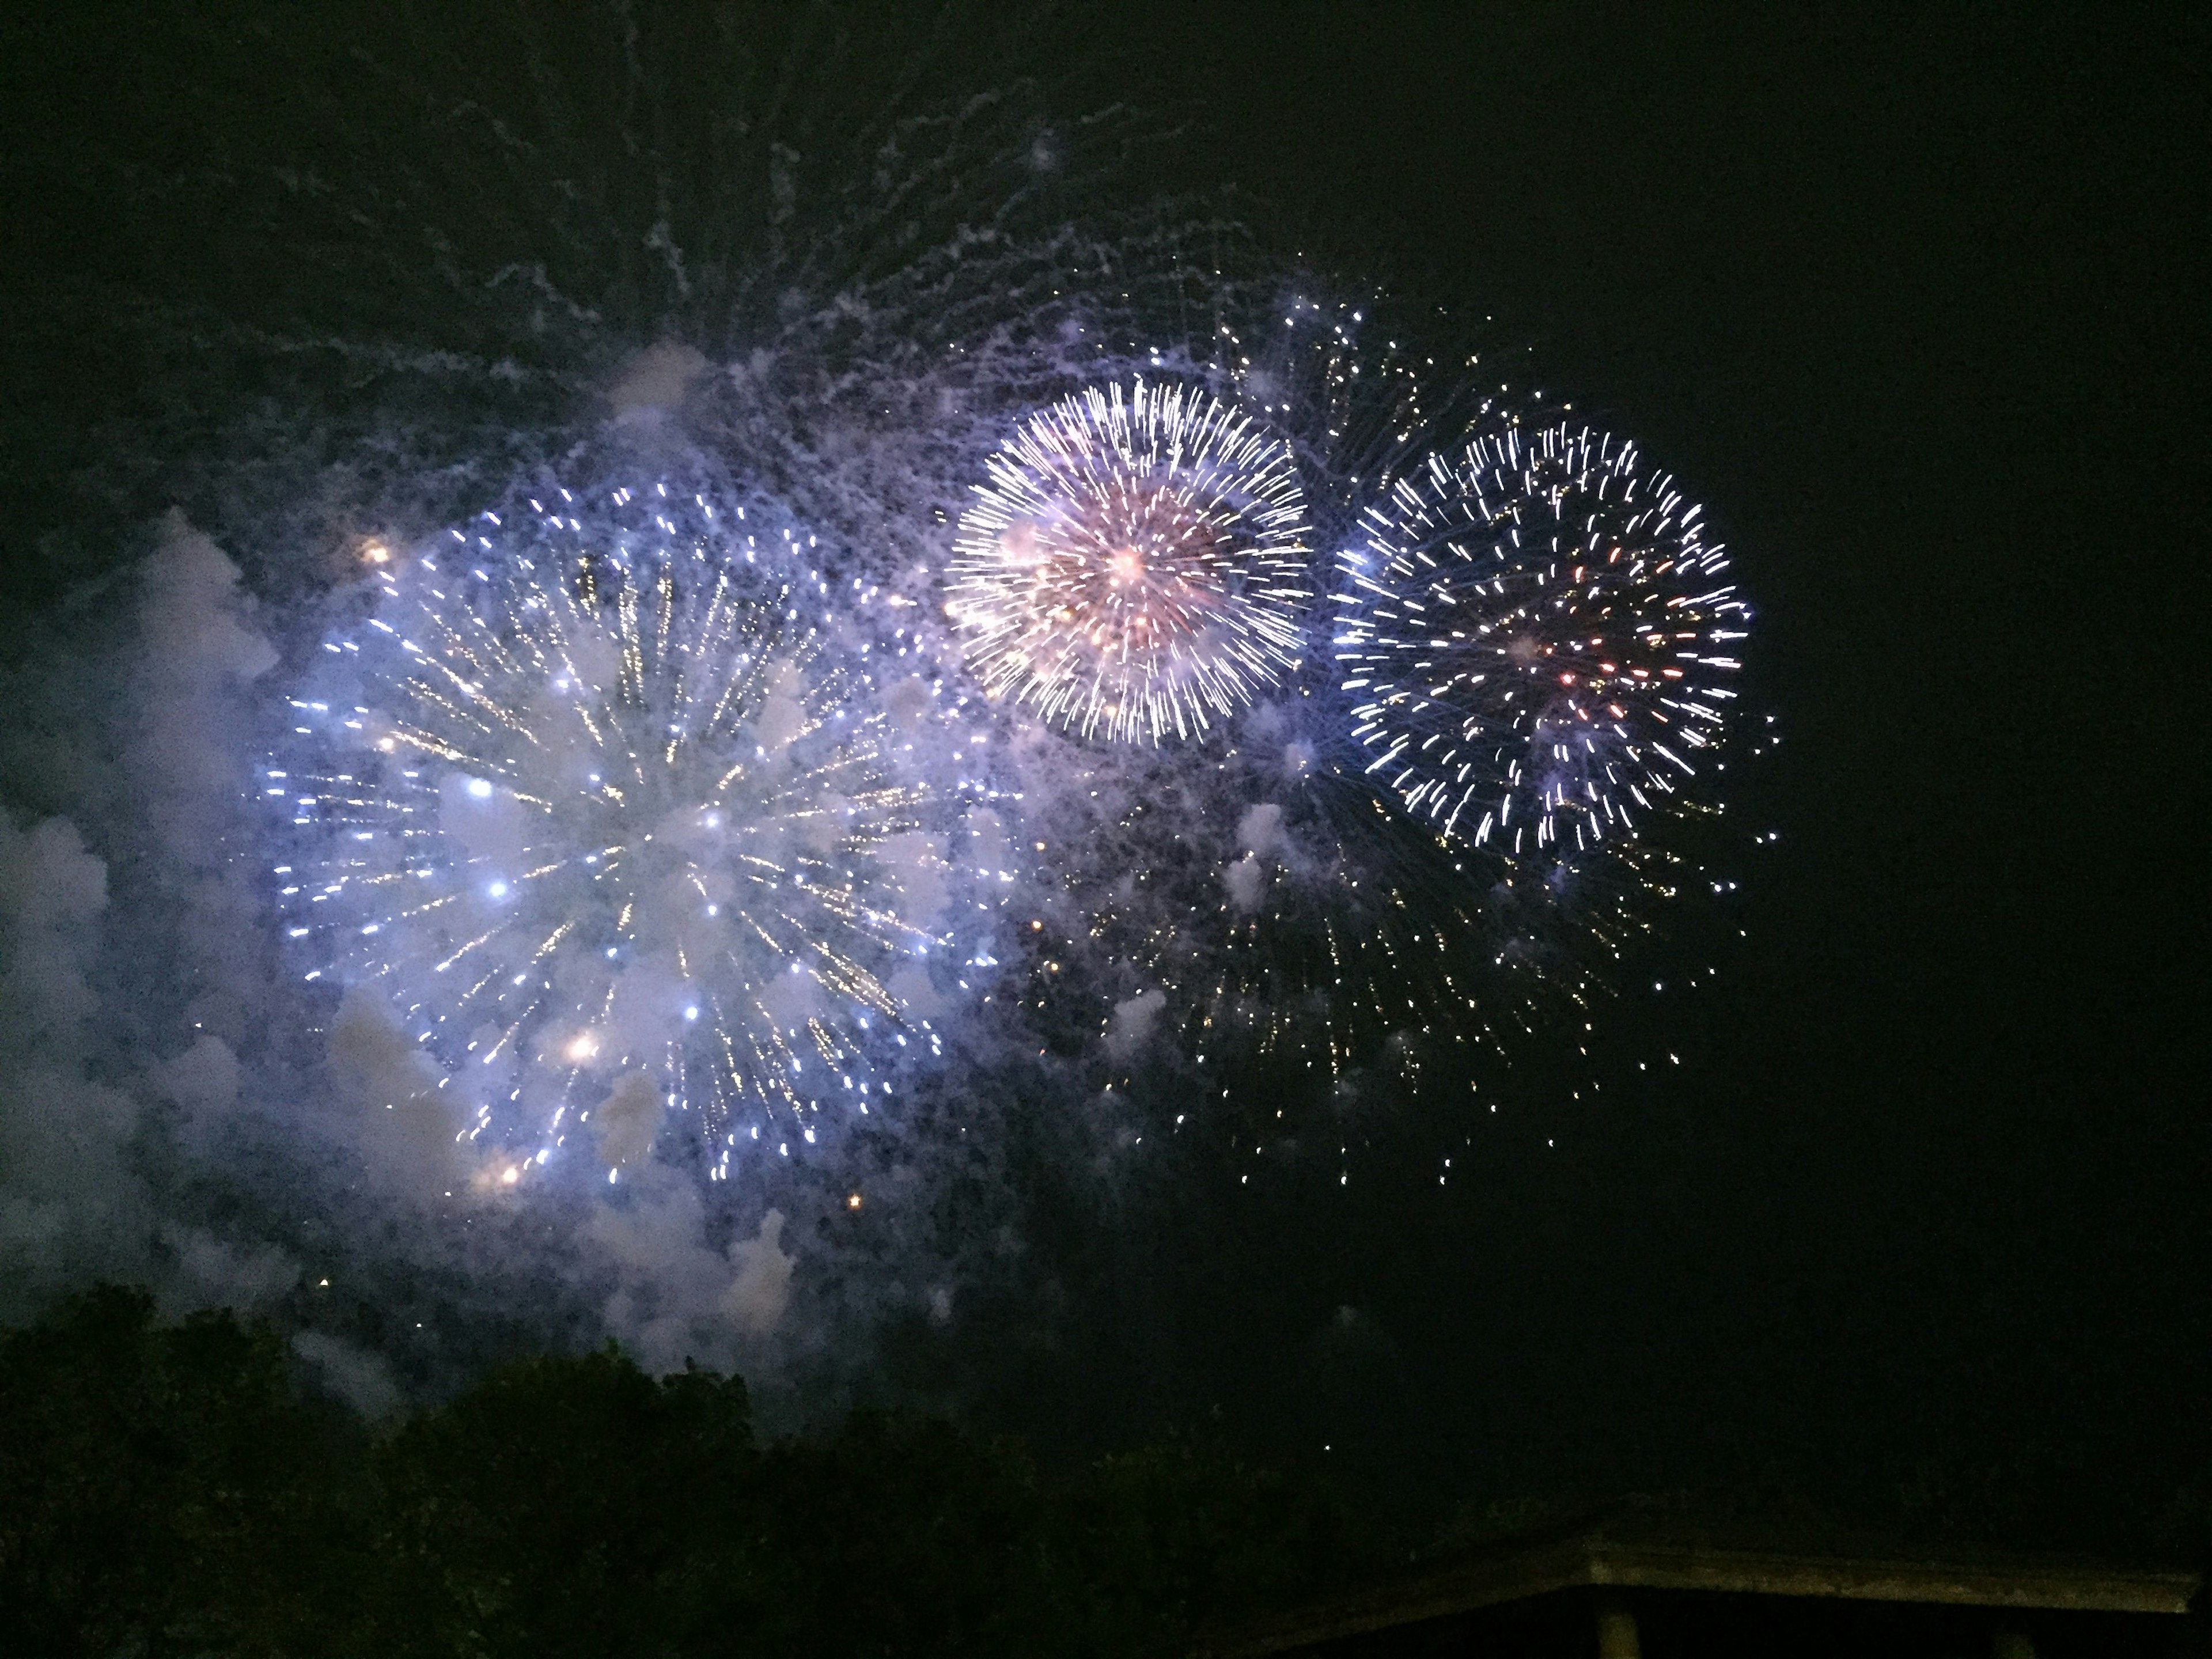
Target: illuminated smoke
{"x":611,"y":815}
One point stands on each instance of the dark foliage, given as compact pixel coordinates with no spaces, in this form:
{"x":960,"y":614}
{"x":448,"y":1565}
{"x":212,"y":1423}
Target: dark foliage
{"x":566,"y":1506}
{"x":164,"y":1491}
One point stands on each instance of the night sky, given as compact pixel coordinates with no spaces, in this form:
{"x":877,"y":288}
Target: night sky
{"x":1915,"y":300}
{"x":1915,"y":303}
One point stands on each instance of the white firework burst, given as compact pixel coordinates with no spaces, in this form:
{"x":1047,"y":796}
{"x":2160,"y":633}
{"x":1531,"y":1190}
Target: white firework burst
{"x":1539,"y":637}
{"x":611,"y":826}
{"x":1136,"y":565}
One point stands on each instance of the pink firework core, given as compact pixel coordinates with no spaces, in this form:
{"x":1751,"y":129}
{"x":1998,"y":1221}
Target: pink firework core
{"x":1136,"y":564}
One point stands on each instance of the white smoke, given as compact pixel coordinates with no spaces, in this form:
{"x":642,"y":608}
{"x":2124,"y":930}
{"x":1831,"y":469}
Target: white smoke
{"x":363,"y":1380}
{"x":1247,"y":882}
{"x":201,"y":1079}
{"x":761,"y":1288}
{"x":74,"y":1130}
{"x":677,"y":1297}
{"x":102,"y":1099}
{"x":71,"y":1207}
{"x":627,"y":1119}
{"x":654,"y":381}
{"x":1134,"y":1021}
{"x":153,"y":1033}
{"x":389,"y":1107}
{"x":1260,"y":831}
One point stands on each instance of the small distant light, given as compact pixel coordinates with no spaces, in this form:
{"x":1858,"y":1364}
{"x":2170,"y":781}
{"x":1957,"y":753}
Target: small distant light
{"x":497,"y":890}
{"x":511,"y":1175}
{"x":479,"y":788}
{"x":376,"y":553}
{"x":852,"y":1200}
{"x":691,"y":1013}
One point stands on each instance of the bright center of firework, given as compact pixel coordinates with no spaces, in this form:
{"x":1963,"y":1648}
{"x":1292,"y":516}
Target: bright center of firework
{"x":615,"y":832}
{"x":1135,"y":564}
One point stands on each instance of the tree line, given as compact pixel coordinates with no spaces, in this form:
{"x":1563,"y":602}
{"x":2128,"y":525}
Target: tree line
{"x":165,"y":1490}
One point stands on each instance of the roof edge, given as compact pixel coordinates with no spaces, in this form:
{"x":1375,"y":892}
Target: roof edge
{"x":2003,"y":1584}
{"x":1591,"y":1562}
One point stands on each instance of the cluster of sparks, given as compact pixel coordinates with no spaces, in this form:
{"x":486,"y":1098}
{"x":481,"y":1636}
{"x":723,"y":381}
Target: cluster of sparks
{"x":612,"y":826}
{"x":1539,"y":639}
{"x":1136,"y":565}
{"x":625,"y":820}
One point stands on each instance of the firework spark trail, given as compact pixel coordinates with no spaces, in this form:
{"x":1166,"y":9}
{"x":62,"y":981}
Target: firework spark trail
{"x":1541,"y":638}
{"x":1136,"y":565}
{"x":851,"y":296}
{"x":1293,"y":924}
{"x":615,"y":824}
{"x":1346,"y":938}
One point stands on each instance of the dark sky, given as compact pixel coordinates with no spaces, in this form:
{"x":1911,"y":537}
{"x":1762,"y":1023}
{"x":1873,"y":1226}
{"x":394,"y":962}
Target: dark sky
{"x":1917,"y":299}
{"x":1915,"y":302}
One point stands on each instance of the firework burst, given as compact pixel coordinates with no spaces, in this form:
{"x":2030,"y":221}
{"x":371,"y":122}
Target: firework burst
{"x":1539,"y":640}
{"x":1135,"y":567}
{"x":612,"y":826}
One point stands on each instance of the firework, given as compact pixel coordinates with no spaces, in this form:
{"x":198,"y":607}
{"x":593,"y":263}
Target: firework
{"x":605,"y":818}
{"x":1539,"y":640}
{"x":1135,"y":566}
{"x":1269,"y":915}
